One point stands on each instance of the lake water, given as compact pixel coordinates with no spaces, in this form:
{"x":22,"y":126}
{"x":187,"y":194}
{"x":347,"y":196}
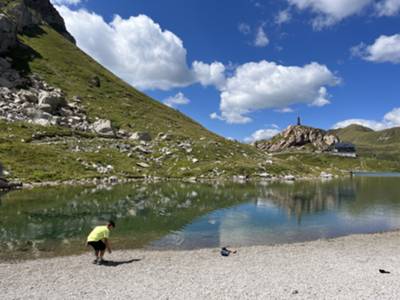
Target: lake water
{"x":47,"y":222}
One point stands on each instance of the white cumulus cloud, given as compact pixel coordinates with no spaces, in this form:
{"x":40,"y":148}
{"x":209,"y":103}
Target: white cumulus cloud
{"x":329,"y":12}
{"x":391,"y":119}
{"x":65,"y":2}
{"x":384,"y":49}
{"x":261,"y":39}
{"x":178,"y":99}
{"x":138,"y":50}
{"x":262,"y":134}
{"x":263,"y":85}
{"x":209,"y":74}
{"x":388,"y":7}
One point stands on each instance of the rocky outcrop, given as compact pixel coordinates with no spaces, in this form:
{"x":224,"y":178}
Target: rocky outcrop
{"x":25,"y":14}
{"x":9,"y":77}
{"x":8,"y":33}
{"x":49,"y":15}
{"x":298,"y":138}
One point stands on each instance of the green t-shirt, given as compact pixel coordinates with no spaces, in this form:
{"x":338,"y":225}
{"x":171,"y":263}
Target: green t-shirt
{"x":99,"y":233}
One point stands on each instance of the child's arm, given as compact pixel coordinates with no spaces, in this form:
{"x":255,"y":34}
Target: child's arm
{"x":108,"y":245}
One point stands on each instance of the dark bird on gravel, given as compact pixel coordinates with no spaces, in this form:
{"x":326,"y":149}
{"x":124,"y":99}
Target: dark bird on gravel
{"x":383,"y":271}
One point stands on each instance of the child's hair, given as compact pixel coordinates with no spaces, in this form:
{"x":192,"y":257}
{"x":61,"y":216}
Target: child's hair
{"x":111,"y":223}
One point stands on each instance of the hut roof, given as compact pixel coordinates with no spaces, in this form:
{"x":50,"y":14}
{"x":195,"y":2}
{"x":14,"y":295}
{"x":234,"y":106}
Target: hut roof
{"x":344,"y":146}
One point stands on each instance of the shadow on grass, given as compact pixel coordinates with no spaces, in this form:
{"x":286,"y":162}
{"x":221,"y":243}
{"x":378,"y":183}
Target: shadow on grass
{"x":111,"y":263}
{"x":23,"y":54}
{"x":34,"y":31}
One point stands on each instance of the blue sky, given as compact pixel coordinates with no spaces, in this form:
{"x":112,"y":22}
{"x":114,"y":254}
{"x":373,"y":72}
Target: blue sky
{"x":245,"y":69}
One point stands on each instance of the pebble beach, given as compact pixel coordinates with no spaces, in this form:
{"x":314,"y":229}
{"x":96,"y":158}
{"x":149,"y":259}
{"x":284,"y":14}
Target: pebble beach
{"x":341,"y":268}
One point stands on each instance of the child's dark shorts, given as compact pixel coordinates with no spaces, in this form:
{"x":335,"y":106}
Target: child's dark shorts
{"x":98,"y":246}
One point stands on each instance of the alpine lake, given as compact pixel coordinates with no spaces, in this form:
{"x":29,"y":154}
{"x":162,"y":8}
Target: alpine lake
{"x":46,"y":222}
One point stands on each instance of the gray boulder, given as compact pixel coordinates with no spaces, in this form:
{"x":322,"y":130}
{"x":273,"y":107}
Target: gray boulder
{"x":41,"y":122}
{"x":142,"y":149}
{"x":103,"y":127}
{"x":27,"y":96}
{"x":143,"y":165}
{"x":95,"y":81}
{"x":23,"y":16}
{"x":51,"y":102}
{"x":40,"y":117}
{"x":141,"y":136}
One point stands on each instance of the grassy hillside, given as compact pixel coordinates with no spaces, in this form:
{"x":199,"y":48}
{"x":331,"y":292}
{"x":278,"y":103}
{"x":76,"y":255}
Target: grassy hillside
{"x":62,"y":64}
{"x":382,"y":145}
{"x":37,"y":153}
{"x":352,"y":133}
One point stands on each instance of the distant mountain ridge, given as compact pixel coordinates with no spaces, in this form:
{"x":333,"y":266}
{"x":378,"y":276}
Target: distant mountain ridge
{"x":358,"y":134}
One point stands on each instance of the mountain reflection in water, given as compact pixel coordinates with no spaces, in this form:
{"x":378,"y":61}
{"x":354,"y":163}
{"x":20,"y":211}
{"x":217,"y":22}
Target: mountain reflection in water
{"x":55,"y":221}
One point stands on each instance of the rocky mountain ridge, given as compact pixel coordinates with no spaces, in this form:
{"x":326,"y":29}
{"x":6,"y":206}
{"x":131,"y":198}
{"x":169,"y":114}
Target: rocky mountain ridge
{"x":19,"y":15}
{"x":299,"y":138}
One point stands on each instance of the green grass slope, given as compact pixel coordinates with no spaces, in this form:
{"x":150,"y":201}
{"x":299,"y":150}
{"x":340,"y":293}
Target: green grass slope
{"x":35,"y":153}
{"x":62,"y":64}
{"x":352,"y":133}
{"x":381,"y":145}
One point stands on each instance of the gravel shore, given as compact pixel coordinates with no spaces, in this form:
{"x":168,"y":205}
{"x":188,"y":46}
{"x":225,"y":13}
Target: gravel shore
{"x":342,"y":268}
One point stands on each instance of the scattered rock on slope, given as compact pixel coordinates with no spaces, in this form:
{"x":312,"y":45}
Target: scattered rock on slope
{"x":141,"y":136}
{"x":52,"y":101}
{"x":103,"y":127}
{"x":37,"y":102}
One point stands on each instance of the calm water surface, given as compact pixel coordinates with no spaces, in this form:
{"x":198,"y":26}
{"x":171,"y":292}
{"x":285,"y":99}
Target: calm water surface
{"x":55,"y":221}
